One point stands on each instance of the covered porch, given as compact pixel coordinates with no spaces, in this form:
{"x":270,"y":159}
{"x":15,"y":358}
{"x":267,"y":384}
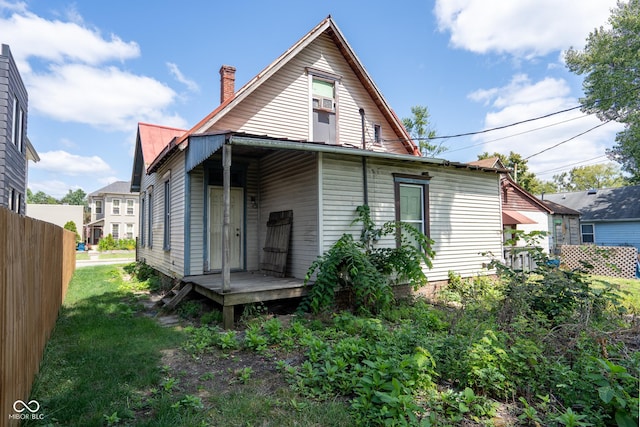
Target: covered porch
{"x":246,"y":287}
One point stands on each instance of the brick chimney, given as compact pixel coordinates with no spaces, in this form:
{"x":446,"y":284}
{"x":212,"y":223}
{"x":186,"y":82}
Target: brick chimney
{"x":227,"y":82}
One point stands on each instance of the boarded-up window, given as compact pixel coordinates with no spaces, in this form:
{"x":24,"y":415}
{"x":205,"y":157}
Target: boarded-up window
{"x":324,"y":111}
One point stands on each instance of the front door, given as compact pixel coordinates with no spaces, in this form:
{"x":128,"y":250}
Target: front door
{"x":236,"y":229}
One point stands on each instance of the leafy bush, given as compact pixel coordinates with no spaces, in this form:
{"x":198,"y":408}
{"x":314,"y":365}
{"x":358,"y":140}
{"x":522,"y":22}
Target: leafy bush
{"x":107,"y":243}
{"x":367,"y":272}
{"x":144,"y":273}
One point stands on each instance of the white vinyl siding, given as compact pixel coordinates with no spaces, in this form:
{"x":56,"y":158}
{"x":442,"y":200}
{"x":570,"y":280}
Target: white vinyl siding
{"x":289,"y":182}
{"x":170,"y":263}
{"x":542,"y":224}
{"x":464,"y":209}
{"x":197,"y":228}
{"x":281,"y":106}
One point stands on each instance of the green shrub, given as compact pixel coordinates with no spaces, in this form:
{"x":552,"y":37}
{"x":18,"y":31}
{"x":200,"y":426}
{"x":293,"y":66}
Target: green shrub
{"x":366,"y":272}
{"x":107,"y":243}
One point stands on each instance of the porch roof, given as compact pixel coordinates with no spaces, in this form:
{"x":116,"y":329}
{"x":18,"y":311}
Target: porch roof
{"x":203,"y":146}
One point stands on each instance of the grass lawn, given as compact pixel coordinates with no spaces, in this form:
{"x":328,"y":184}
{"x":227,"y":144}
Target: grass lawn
{"x":108,"y":364}
{"x":107,"y":255}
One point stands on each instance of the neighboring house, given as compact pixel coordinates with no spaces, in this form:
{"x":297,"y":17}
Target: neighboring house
{"x":15,"y":148}
{"x":523,"y":211}
{"x":57,"y":214}
{"x":114,"y":211}
{"x":310,"y":135}
{"x":608,"y":217}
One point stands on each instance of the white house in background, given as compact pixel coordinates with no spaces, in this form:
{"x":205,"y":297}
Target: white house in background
{"x":310,"y":137}
{"x":57,"y":214}
{"x":114,"y":210}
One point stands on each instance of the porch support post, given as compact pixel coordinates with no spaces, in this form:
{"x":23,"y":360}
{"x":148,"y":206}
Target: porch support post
{"x":226,"y":197}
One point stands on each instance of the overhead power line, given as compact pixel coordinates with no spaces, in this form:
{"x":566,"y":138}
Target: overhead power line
{"x":518,"y":134}
{"x":548,"y":171}
{"x":567,"y":140}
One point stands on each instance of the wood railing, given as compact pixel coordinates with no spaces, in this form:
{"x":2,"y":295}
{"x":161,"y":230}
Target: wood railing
{"x":37,"y":260}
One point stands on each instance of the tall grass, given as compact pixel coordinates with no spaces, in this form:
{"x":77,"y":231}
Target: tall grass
{"x":102,"y":355}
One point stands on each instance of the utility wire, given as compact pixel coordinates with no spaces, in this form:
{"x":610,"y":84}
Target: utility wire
{"x":548,"y":171}
{"x":591,"y":104}
{"x":518,"y":134}
{"x":566,"y":140}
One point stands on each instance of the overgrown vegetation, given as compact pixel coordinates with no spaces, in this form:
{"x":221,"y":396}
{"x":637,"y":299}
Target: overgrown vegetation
{"x":108,"y":243}
{"x":547,"y":347}
{"x":365,"y":271}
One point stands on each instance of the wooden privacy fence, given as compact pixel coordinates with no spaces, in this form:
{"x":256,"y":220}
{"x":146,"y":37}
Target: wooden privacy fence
{"x":37,"y":260}
{"x":611,"y":261}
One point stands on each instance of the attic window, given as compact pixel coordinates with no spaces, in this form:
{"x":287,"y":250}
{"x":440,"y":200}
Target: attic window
{"x":323,"y":95}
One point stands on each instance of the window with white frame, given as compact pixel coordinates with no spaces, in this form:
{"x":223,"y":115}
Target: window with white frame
{"x":98,"y":207}
{"x":115,"y":231}
{"x":115,"y":206}
{"x":129,"y":207}
{"x":142,"y":218}
{"x":129,"y":231}
{"x":150,"y":222}
{"x":14,"y":122}
{"x":588,"y":233}
{"x":166,"y":245}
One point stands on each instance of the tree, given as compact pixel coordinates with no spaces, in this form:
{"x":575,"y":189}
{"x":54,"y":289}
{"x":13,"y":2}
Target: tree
{"x":586,"y":177}
{"x":519,"y":170}
{"x":420,"y":130}
{"x":41,"y":198}
{"x":75,"y":198}
{"x":611,"y":65}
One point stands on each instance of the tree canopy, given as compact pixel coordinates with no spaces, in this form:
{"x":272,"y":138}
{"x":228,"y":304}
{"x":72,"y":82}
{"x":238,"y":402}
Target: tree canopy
{"x":420,"y":130}
{"x":77,"y":197}
{"x":519,"y":170}
{"x":611,"y":65}
{"x":582,"y":178}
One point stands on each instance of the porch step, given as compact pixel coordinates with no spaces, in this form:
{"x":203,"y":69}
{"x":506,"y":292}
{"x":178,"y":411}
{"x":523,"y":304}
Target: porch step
{"x":175,"y":295}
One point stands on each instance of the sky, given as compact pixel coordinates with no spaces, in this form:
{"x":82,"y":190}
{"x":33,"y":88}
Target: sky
{"x":94,"y":69}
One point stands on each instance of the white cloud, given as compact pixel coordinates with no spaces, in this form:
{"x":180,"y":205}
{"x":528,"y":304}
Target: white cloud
{"x":55,"y":188}
{"x":175,"y":72}
{"x":523,"y":99}
{"x":65,"y":163}
{"x":68,"y":72}
{"x":31,"y":36}
{"x":103,"y":97}
{"x":522,"y":28}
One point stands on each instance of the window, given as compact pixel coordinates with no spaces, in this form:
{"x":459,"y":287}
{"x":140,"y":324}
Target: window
{"x":98,"y":207}
{"x":377,"y":134}
{"x":150,"y":222}
{"x":115,"y":231}
{"x":14,"y":122}
{"x":129,"y":207}
{"x":12,"y":195}
{"x":324,"y":103}
{"x":588,"y":234}
{"x":129,"y":232}
{"x":412,"y":201}
{"x":142,"y":218}
{"x":115,"y":207}
{"x":166,"y":245}
{"x":20,"y":127}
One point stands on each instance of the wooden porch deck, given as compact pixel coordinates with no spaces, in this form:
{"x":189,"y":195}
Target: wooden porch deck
{"x":246,"y":287}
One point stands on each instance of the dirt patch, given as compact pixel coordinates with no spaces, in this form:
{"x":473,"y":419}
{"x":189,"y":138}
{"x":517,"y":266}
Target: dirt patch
{"x":220,"y":372}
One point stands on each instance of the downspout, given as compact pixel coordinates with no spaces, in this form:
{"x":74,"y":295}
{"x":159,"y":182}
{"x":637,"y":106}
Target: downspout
{"x":365,"y":188}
